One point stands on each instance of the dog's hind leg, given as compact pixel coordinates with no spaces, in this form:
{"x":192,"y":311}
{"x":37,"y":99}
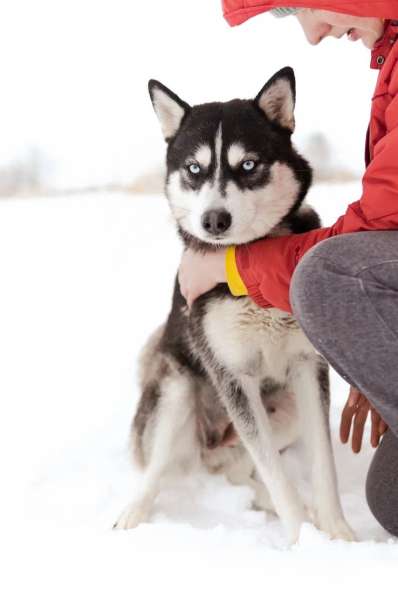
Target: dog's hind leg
{"x":244,"y":404}
{"x":310,"y":384}
{"x":171,"y":440}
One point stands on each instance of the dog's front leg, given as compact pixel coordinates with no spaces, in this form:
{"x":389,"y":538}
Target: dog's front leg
{"x":243,"y":402}
{"x":309,"y":383}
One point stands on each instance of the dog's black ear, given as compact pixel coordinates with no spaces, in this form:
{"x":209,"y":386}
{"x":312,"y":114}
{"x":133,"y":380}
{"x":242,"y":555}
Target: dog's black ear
{"x":169,"y":108}
{"x":277,"y":98}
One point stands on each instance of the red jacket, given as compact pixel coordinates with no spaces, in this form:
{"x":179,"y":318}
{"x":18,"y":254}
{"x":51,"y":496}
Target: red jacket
{"x":266,"y":266}
{"x":238,"y":11}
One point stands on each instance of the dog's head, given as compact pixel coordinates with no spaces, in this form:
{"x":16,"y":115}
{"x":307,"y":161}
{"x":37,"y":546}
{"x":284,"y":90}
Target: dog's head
{"x":233,"y":175}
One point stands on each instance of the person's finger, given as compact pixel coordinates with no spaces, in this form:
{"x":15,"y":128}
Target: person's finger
{"x":375,"y":429}
{"x":354,"y":397}
{"x":346,"y":422}
{"x":181,"y":277}
{"x":359,"y":423}
{"x":354,"y":401}
{"x":183,"y":291}
{"x":382,"y":427}
{"x":189,"y":301}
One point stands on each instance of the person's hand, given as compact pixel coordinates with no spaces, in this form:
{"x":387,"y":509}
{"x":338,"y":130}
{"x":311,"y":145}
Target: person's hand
{"x":199,"y":273}
{"x":354,"y":416}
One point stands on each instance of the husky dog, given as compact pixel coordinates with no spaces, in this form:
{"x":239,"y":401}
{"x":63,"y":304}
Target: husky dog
{"x":227,"y":383}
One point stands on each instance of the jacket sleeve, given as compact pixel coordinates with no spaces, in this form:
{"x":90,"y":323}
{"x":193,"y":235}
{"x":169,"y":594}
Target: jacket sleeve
{"x":266,"y":266}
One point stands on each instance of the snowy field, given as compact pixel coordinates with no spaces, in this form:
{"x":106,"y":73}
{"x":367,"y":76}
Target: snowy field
{"x":84,"y":280}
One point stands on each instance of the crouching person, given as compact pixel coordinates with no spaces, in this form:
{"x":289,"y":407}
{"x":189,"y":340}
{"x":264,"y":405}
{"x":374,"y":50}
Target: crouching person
{"x":340,"y":282}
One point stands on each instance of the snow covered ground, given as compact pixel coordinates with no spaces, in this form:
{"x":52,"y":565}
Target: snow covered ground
{"x":84,"y":280}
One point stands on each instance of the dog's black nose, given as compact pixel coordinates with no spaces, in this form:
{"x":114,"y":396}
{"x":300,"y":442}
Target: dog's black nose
{"x":216,"y":221}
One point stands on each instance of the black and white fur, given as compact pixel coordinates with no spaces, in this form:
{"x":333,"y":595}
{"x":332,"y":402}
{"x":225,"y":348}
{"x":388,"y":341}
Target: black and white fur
{"x":227,"y":383}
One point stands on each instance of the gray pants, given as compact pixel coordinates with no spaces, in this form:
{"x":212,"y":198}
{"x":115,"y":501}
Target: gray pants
{"x":344,"y":293}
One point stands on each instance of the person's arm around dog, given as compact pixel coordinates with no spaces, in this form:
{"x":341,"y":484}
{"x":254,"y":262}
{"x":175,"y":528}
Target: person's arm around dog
{"x":264,"y":269}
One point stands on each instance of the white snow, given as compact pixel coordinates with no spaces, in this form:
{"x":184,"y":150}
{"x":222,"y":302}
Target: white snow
{"x":84,"y":280}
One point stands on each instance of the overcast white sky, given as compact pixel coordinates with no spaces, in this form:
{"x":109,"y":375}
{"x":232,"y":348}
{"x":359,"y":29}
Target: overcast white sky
{"x":74,"y":75}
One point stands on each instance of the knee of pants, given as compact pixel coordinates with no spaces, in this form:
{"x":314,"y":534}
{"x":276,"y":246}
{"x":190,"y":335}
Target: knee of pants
{"x":312,"y":285}
{"x":322,"y":282}
{"x":325,"y":273}
{"x":382,"y":484}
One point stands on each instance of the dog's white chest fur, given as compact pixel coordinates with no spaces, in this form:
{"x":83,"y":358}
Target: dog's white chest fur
{"x":249,"y":339}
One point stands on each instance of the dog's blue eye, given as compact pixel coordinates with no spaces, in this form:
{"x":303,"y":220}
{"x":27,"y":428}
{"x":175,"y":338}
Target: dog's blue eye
{"x":248,"y":165}
{"x":194,"y":168}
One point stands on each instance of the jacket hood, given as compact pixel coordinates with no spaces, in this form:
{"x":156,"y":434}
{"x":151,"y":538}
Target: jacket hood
{"x":237,"y":12}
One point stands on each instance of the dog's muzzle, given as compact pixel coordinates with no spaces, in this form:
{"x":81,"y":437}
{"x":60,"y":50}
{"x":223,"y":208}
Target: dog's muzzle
{"x":216,"y":221}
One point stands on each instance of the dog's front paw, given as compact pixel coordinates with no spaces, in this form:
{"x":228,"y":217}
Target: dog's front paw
{"x":135,"y":514}
{"x":293,"y":525}
{"x":336,"y":528}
